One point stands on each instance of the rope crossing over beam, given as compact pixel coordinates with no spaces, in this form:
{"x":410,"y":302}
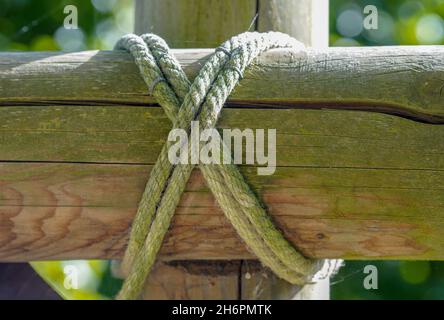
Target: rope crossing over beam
{"x":202,"y":101}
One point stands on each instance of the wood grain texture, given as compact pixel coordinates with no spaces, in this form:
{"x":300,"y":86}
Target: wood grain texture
{"x":184,"y":280}
{"x":69,"y":211}
{"x":305,"y":20}
{"x":207,"y":23}
{"x":18,"y":281}
{"x":79,"y":135}
{"x":258,"y":283}
{"x":194,"y":23}
{"x":348,"y":184}
{"x":399,"y":80}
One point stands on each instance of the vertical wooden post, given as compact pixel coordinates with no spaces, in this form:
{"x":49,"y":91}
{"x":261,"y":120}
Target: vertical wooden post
{"x":307,"y":21}
{"x":207,"y":23}
{"x":194,"y":23}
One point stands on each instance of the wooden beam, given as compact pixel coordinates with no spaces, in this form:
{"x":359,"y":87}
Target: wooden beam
{"x":399,"y":80}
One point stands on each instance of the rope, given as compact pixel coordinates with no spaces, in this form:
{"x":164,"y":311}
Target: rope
{"x":202,"y":101}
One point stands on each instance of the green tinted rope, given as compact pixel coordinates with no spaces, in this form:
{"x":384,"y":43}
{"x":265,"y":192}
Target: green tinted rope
{"x":202,"y":101}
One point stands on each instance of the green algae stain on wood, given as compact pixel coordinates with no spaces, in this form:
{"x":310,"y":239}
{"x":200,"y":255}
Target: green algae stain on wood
{"x":348,"y":184}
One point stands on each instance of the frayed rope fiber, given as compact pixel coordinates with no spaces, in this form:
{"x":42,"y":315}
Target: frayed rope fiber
{"x":202,"y":100}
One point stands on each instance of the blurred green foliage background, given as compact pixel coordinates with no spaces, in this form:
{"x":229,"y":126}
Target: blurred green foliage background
{"x":38,"y":25}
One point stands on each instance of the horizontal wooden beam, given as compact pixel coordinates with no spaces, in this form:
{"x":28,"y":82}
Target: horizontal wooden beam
{"x":401,"y":80}
{"x":79,"y":135}
{"x":348,"y":184}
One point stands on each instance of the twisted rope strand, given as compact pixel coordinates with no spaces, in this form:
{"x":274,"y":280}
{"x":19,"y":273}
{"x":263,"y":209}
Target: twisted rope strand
{"x":203,"y":100}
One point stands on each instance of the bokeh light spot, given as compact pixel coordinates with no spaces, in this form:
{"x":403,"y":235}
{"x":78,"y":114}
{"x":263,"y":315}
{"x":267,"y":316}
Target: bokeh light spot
{"x":350,"y":23}
{"x":415,"y":272}
{"x":430,"y":29}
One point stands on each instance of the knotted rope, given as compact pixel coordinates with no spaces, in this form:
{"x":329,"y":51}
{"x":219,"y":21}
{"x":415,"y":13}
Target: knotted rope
{"x":202,"y":101}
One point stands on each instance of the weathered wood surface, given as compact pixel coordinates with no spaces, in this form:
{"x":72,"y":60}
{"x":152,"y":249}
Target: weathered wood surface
{"x":348,"y":184}
{"x":218,"y":280}
{"x":79,"y":135}
{"x":207,"y":23}
{"x":401,"y":80}
{"x":306,"y":20}
{"x":258,"y":283}
{"x":18,"y":281}
{"x":194,"y":23}
{"x":214,"y":280}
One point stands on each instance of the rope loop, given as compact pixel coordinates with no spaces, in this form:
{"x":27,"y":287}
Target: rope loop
{"x":202,"y":101}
